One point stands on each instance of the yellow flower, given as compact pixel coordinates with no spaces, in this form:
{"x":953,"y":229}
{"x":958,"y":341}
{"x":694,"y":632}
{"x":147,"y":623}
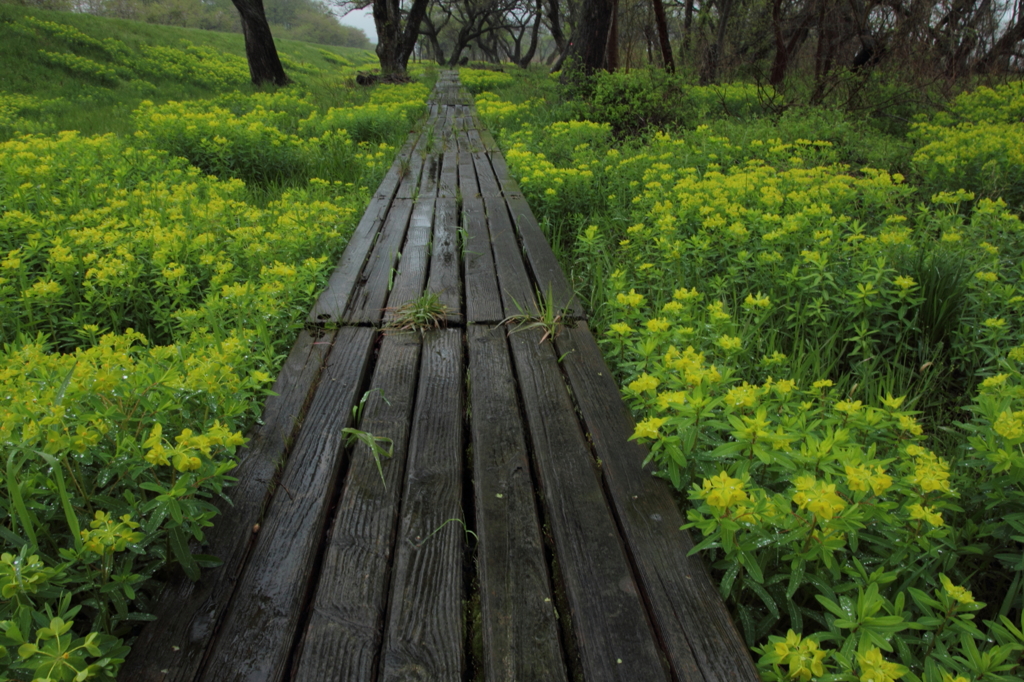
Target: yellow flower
{"x":1009,"y":425}
{"x":997,"y":380}
{"x":621,"y":328}
{"x":863,"y":477}
{"x":632,"y":299}
{"x":908,"y":423}
{"x":685,"y":295}
{"x":874,"y":668}
{"x":658,"y":324}
{"x":848,"y":407}
{"x":926,"y":514}
{"x":729,"y":343}
{"x":758,"y":301}
{"x":648,"y":428}
{"x":893,"y":403}
{"x":817,"y":497}
{"x":723,"y":491}
{"x":904,"y":282}
{"x":957,"y":592}
{"x":672,"y":307}
{"x":645,"y":382}
{"x":987,"y":276}
{"x":804,"y":658}
{"x":785,"y":386}
{"x":665,"y":400}
{"x":995,"y":323}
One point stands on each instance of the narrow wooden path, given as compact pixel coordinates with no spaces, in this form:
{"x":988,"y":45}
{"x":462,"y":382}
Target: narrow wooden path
{"x":512,"y":535}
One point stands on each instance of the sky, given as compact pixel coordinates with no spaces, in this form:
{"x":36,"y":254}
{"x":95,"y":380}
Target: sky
{"x":361,"y":18}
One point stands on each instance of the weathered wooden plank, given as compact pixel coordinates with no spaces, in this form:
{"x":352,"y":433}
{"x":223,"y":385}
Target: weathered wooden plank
{"x":431,"y":176}
{"x":256,"y":638}
{"x":445,"y":277}
{"x":333,"y":300}
{"x":509,"y":187}
{"x":412,"y":268}
{"x":483,"y":298}
{"x":520,"y":630}
{"x":545,"y":268}
{"x":172,"y":647}
{"x":517,"y":293}
{"x":468,"y":186}
{"x":425,"y":626}
{"x":699,"y":636}
{"x":345,"y":631}
{"x":613,"y":637}
{"x":490,"y":144}
{"x":371,"y":290}
{"x":410,"y":172}
{"x":489,"y":186}
{"x":448,"y":188}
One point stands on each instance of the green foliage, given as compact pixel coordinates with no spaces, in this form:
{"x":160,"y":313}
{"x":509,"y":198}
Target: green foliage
{"x":828,"y":364}
{"x":147,"y":307}
{"x":978,"y":145}
{"x":88,"y":73}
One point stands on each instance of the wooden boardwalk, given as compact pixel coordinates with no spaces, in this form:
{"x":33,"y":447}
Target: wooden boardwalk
{"x":512,"y":535}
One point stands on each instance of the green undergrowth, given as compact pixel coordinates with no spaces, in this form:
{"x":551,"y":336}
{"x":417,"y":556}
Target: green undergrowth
{"x":155,"y":268}
{"x":816,"y":321}
{"x":87,"y":73}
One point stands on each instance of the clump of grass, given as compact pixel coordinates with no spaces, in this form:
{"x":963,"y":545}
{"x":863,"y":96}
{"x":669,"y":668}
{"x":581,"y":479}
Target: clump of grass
{"x":425,"y":313}
{"x":548,"y":317}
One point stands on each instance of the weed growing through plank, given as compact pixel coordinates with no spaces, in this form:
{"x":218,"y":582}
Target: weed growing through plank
{"x":426,"y":312}
{"x":374,"y":443}
{"x":548,"y":317}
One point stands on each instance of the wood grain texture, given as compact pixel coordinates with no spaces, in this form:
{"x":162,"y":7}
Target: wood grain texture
{"x":345,"y":631}
{"x":613,"y":636}
{"x":256,"y":638}
{"x":467,"y":174}
{"x":509,"y":187}
{"x":517,"y":291}
{"x":449,"y":186}
{"x":483,"y":298}
{"x":543,"y":264}
{"x":701,"y":640}
{"x":488,"y":181}
{"x":172,"y":647}
{"x":331,"y":304}
{"x":445,"y":277}
{"x":372,"y":288}
{"x":520,"y":630}
{"x":415,"y":261}
{"x":424,"y":638}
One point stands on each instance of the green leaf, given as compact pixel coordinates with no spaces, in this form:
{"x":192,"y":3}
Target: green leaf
{"x":830,"y":605}
{"x":179,"y":545}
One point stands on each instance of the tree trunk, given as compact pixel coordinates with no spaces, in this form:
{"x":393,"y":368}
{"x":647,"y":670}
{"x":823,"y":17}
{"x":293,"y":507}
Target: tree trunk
{"x":264,"y":64}
{"x":611,"y":53}
{"x":532,"y":50}
{"x":394,"y":45}
{"x":586,"y":51}
{"x":666,"y":46}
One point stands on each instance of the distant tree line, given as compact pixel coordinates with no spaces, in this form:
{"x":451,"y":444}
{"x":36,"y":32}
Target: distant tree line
{"x":308,"y":20}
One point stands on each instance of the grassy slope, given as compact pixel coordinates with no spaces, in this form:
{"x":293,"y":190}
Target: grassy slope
{"x":74,"y":102}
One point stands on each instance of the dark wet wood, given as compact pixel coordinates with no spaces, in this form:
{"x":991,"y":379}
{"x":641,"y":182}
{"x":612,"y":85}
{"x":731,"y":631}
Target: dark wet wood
{"x":172,"y":646}
{"x":509,"y":187}
{"x":445,"y":277}
{"x":424,"y":637}
{"x":483,"y":299}
{"x":346,"y":627}
{"x":520,"y":629}
{"x":484,"y":172}
{"x":448,"y":188}
{"x":547,"y":273}
{"x":255,"y":641}
{"x":414,"y":262}
{"x":371,"y":291}
{"x":688,"y":614}
{"x":609,"y":621}
{"x":517,"y":291}
{"x":468,"y":186}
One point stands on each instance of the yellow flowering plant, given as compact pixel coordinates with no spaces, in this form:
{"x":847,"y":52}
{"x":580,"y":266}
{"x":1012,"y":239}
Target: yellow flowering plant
{"x":828,"y":359}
